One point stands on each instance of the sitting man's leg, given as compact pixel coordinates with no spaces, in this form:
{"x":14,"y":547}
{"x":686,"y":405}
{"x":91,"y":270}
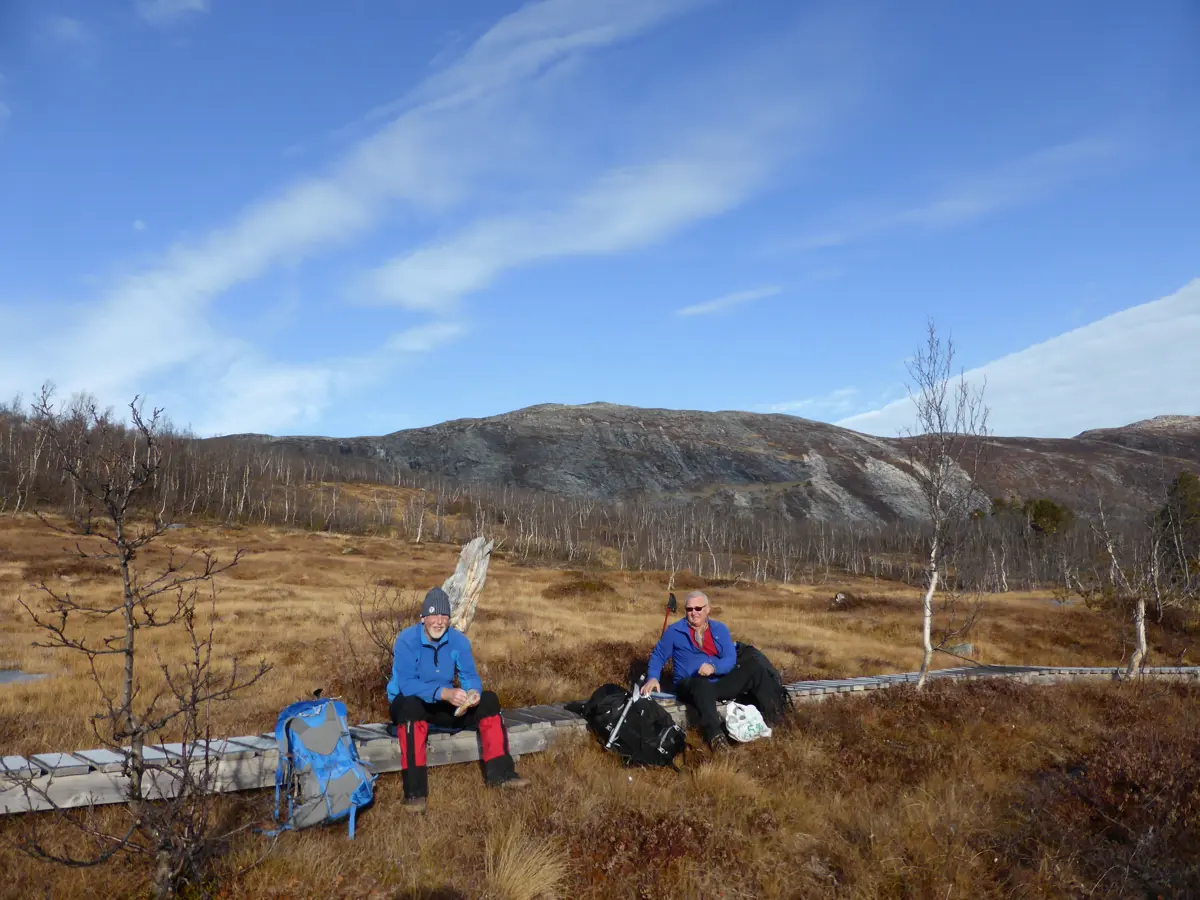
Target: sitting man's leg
{"x":497,"y":762}
{"x":702,"y":694}
{"x":411,"y":717}
{"x":705,"y":695}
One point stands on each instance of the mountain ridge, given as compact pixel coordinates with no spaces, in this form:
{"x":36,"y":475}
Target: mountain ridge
{"x":809,"y":469}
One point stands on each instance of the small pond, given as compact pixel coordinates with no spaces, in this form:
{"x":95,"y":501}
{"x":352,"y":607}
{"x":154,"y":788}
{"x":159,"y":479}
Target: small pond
{"x":16,"y":676}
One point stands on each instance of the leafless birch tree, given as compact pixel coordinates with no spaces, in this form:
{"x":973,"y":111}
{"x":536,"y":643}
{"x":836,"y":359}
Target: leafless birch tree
{"x":112,"y":468}
{"x":945,"y":450}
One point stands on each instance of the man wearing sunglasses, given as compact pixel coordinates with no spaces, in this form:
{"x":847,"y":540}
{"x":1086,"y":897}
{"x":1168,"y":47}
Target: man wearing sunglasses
{"x":704,"y":658}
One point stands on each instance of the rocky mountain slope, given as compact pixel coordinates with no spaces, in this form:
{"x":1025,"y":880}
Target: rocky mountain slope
{"x":751,"y":460}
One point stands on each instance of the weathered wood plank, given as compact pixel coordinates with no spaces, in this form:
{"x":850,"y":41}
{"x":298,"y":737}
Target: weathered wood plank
{"x":60,"y":764}
{"x":257,"y":742}
{"x":17,"y":765}
{"x":522,"y":717}
{"x":102,"y":759}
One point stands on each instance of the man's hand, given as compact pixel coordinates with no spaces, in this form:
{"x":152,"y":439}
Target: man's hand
{"x":453,"y":696}
{"x":706,"y":670}
{"x":650,"y":687}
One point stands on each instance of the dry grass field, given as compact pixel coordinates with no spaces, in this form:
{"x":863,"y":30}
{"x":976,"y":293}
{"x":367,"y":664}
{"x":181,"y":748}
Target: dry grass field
{"x":969,"y":791}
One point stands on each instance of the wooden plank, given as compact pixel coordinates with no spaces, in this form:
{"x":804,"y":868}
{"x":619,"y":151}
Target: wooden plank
{"x":382,"y":754}
{"x":60,"y":764}
{"x":547,"y":714}
{"x":249,"y":762}
{"x":17,"y":765}
{"x":153,"y":756}
{"x":258,"y":742}
{"x":223,"y":748}
{"x":521,"y":717}
{"x":102,"y":759}
{"x":370,"y":732}
{"x":45,"y":793}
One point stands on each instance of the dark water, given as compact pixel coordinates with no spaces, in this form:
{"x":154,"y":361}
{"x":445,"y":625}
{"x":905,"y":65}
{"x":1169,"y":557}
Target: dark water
{"x":16,"y":676}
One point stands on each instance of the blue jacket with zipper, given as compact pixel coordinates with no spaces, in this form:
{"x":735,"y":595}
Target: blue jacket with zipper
{"x":421,"y":667}
{"x":676,"y":643}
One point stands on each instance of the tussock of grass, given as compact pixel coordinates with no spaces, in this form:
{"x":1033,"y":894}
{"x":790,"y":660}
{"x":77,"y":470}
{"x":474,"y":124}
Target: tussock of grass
{"x":522,"y":866}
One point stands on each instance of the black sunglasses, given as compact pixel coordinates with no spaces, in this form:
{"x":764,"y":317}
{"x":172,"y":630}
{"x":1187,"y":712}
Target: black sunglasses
{"x":695,"y":608}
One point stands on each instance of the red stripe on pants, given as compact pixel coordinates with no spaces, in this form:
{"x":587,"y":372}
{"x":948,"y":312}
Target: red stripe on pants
{"x":491,"y":736}
{"x":414,"y":734}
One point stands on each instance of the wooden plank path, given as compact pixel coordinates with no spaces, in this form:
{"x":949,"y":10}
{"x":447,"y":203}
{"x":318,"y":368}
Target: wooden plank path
{"x":93,"y":777}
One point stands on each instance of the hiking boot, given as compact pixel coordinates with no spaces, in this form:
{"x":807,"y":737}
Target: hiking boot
{"x":719,"y":744}
{"x":415,"y":805}
{"x":516,"y":783}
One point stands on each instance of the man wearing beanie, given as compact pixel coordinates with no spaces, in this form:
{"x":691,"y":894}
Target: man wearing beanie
{"x":427,"y":658}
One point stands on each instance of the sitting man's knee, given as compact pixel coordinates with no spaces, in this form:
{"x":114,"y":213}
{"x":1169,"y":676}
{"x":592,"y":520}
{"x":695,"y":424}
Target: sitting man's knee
{"x":408,"y":709}
{"x":489,"y":704}
{"x":701,"y":689}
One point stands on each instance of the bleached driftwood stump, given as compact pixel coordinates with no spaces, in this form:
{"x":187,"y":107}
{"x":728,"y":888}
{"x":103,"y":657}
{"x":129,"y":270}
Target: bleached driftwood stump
{"x":466,"y":584}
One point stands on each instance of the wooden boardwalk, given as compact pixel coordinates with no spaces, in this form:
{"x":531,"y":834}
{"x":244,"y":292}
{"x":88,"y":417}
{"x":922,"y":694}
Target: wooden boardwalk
{"x":93,"y":777}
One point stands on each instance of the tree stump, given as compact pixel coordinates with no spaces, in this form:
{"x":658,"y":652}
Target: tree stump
{"x":466,"y":584}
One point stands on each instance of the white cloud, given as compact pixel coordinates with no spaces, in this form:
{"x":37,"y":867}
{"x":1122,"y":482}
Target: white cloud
{"x":425,"y":338}
{"x":838,"y":402}
{"x":976,"y":197}
{"x":167,"y":12}
{"x":66,"y":30}
{"x":451,"y":133}
{"x":139,"y":225}
{"x":746,"y":123}
{"x":1128,"y":366}
{"x":624,"y":209}
{"x":726,"y":301}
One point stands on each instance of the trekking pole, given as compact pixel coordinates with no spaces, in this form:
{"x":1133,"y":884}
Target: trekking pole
{"x":637,"y":692}
{"x":672,"y":606}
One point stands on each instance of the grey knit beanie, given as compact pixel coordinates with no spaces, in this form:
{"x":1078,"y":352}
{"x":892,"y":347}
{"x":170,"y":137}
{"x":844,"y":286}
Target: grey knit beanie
{"x":437,"y":603}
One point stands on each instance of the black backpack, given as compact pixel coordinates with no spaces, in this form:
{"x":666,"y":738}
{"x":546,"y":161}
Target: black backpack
{"x":781,"y":700}
{"x":648,"y":736}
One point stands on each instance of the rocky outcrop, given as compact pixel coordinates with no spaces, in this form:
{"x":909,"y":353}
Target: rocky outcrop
{"x":749,"y":460}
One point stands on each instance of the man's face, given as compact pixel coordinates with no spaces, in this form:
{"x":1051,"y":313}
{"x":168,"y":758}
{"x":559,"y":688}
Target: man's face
{"x":696,"y":610}
{"x":435,"y":626}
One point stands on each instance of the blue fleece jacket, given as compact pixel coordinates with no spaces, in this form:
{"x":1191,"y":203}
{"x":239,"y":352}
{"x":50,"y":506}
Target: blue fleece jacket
{"x":676,"y":644}
{"x":421,"y":667}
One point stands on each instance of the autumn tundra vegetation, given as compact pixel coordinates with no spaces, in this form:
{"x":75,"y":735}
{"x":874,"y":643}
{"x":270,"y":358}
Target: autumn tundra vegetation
{"x":174,"y":589}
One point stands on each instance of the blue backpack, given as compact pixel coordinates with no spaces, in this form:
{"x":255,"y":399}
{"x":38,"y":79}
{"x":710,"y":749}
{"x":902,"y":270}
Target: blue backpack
{"x":319,"y":768}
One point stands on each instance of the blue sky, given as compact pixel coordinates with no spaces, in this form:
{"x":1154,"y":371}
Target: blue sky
{"x":354,"y":217}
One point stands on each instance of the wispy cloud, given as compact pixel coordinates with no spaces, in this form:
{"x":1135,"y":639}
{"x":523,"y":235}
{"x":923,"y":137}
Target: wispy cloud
{"x":622,"y":210}
{"x":1128,"y":366}
{"x":425,"y":338}
{"x":703,"y":168}
{"x":429,"y":157}
{"x":67,"y":30}
{"x":835,"y":403}
{"x":727,"y":301}
{"x":168,"y":12}
{"x":975,"y":197}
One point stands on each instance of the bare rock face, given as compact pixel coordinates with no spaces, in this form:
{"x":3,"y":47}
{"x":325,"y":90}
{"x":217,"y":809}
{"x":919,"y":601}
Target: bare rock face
{"x":752,"y":461}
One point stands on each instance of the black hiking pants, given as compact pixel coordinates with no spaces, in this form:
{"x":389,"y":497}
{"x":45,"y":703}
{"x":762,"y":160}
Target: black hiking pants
{"x":412,"y":717}
{"x":749,"y":678}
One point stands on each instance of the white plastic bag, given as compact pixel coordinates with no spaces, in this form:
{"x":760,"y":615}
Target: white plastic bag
{"x":745,"y":723}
